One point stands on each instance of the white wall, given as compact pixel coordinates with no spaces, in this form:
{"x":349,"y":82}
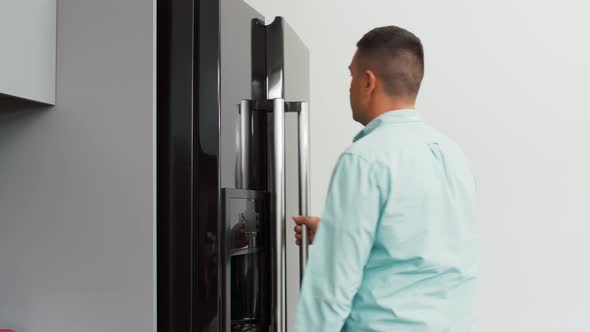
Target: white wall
{"x":507,"y":80}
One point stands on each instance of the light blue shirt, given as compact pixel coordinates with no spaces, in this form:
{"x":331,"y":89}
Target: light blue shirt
{"x":397,"y":246}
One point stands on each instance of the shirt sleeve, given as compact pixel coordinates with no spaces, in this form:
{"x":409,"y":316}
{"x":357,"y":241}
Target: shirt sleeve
{"x":341,"y":247}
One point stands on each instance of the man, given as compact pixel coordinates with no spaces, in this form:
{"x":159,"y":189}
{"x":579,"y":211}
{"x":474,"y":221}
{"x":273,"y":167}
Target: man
{"x":396,"y":248}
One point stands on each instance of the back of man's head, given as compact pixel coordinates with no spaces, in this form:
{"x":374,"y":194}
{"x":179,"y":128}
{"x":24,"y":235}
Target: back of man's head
{"x":396,"y":57}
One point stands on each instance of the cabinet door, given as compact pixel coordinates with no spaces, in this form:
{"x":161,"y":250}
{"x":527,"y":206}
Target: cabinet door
{"x":27,"y":59}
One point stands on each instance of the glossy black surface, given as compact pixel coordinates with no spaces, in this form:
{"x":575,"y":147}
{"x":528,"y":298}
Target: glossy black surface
{"x":258,"y":57}
{"x":189,"y":287}
{"x":287,"y":63}
{"x":247,"y":260}
{"x":209,"y":231}
{"x":259,"y":139}
{"x":189,"y":168}
{"x":242,"y":76}
{"x":176,"y":166}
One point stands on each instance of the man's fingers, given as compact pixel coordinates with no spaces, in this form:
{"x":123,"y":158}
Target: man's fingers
{"x":300,"y":220}
{"x":310,"y":222}
{"x":303,"y":220}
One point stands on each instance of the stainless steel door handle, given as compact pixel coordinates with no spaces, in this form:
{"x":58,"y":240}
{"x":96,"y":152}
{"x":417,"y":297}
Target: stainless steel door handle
{"x":243,"y":169}
{"x":304,"y":184}
{"x":278,"y":194}
{"x":279,"y":281}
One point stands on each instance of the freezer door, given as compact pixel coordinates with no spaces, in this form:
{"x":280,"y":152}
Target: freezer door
{"x":240,"y":67}
{"x":260,"y":151}
{"x":287,"y":63}
{"x":243,"y":171}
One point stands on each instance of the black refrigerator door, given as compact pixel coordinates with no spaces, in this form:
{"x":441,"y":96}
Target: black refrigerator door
{"x":204,"y":67}
{"x":243,"y":173}
{"x":222,"y":74}
{"x":176,"y":166}
{"x":266,"y":152}
{"x":260,"y":153}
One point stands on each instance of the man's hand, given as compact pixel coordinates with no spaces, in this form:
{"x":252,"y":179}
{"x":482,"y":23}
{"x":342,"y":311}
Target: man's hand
{"x":312,"y":224}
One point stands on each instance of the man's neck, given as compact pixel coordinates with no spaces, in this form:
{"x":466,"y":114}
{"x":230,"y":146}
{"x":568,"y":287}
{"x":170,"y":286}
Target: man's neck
{"x":391,"y":108}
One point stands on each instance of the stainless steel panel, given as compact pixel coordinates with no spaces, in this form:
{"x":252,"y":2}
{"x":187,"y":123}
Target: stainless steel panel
{"x":245,"y":215}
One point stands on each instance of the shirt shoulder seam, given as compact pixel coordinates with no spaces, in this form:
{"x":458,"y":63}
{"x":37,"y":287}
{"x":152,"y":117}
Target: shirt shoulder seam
{"x":365,"y":159}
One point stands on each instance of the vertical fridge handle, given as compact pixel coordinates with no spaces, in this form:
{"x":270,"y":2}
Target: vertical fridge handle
{"x":278,"y":194}
{"x":279,"y":280}
{"x":304,"y":184}
{"x":243,"y":169}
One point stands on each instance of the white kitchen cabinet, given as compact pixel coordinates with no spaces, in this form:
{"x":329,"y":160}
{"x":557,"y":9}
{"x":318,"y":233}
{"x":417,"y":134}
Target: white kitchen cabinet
{"x":28,"y":49}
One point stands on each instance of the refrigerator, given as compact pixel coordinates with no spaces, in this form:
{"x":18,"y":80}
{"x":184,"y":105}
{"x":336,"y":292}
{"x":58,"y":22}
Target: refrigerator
{"x":232,"y":167}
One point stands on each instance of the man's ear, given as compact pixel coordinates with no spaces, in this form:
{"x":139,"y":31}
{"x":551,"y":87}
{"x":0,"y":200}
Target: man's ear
{"x":370,"y":81}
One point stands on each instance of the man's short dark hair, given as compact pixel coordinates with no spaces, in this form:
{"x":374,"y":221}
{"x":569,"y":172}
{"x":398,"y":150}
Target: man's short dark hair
{"x":397,"y":58}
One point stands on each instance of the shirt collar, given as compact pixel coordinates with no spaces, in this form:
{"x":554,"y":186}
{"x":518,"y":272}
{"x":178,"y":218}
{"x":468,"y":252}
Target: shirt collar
{"x":395,"y":116}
